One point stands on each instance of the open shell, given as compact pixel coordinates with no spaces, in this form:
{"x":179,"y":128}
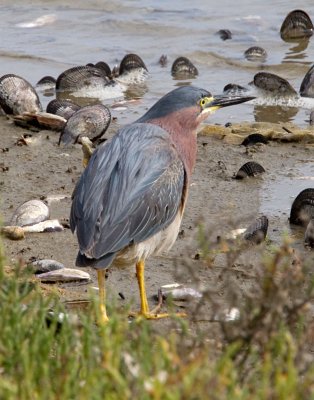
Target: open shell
{"x":297,"y":25}
{"x":250,"y":168}
{"x":302,"y":209}
{"x":182,"y":67}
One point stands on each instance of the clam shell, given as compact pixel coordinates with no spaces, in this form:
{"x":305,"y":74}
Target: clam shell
{"x":47,"y":80}
{"x":273,"y":84}
{"x":253,"y":139}
{"x":309,"y":234}
{"x":307,"y":85}
{"x":250,"y":168}
{"x":182,"y":67}
{"x":302,"y":209}
{"x":255,"y":53}
{"x":104,"y":67}
{"x":224,"y":34}
{"x":63,"y":108}
{"x":29,"y":213}
{"x":297,"y":25}
{"x":257,"y":231}
{"x":45,"y":265}
{"x":81,"y":77}
{"x":89,"y":121}
{"x":131,"y":62}
{"x":17,"y":95}
{"x":64,"y":275}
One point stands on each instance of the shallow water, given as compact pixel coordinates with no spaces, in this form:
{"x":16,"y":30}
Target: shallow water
{"x":47,"y":37}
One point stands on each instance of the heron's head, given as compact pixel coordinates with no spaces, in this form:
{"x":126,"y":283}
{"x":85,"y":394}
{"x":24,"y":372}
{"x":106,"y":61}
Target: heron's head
{"x":190,"y":105}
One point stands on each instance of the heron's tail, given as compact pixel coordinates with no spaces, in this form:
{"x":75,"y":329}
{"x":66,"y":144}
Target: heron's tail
{"x":98,"y":263}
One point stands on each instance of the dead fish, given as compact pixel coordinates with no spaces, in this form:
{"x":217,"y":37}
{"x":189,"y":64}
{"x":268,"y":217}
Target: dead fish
{"x":132,"y":70}
{"x":250,"y":168}
{"x":45,"y":265}
{"x":273,"y":84}
{"x":88,"y":121}
{"x":296,"y":25}
{"x":257,"y":231}
{"x":302,"y":209}
{"x":82,"y":77}
{"x":253,"y":139}
{"x":178,"y":292}
{"x":64,"y":275}
{"x":29,"y":213}
{"x":255,"y":53}
{"x":309,"y":234}
{"x":63,"y":108}
{"x":18,"y":96}
{"x":183,"y":68}
{"x":40,"y":120}
{"x":307,"y":85}
{"x":224,"y":34}
{"x":50,"y":225}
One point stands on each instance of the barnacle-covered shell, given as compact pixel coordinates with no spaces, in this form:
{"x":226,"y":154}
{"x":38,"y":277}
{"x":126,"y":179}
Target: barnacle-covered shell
{"x":63,"y":108}
{"x":182,"y":67}
{"x":29,"y":213}
{"x":257,"y":231}
{"x":255,"y":53}
{"x":89,"y":121}
{"x":18,"y":96}
{"x":82,"y":77}
{"x":307,"y":85}
{"x":302,"y":209}
{"x":253,"y":139}
{"x":297,"y":25}
{"x":250,"y":168}
{"x":273,"y":84}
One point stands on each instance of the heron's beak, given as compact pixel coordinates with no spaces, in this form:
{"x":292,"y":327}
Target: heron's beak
{"x":225,"y":101}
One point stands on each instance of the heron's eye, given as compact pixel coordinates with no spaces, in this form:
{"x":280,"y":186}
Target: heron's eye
{"x":202,"y":102}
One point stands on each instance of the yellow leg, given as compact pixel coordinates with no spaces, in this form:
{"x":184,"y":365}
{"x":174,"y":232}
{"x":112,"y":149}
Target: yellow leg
{"x":102,"y":295}
{"x":144,"y":311}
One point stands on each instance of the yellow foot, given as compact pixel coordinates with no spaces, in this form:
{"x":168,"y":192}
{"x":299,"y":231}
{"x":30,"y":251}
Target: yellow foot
{"x":154,"y":315}
{"x":103,"y":317}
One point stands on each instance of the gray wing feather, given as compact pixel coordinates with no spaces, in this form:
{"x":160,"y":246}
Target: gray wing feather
{"x":131,"y":189}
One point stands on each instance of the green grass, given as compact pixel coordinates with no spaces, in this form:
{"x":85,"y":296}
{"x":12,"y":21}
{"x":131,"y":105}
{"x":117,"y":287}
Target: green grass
{"x":264,"y":355}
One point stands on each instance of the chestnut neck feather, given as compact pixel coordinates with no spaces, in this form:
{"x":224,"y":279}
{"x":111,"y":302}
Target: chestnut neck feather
{"x":182,"y":126}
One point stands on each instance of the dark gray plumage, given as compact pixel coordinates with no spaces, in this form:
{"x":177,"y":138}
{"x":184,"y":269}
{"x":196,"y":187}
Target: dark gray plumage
{"x":131,"y":189}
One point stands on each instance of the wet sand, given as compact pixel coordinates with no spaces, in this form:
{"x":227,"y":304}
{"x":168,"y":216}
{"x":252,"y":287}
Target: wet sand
{"x":220,"y":203}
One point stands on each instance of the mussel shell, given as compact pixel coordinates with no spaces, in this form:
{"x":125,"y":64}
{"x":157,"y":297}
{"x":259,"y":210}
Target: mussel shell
{"x":250,"y":168}
{"x":182,"y":67}
{"x":47,"y":80}
{"x":131,"y":62}
{"x":255,"y":53}
{"x":63,"y":108}
{"x":307,"y":85}
{"x":302,"y":209}
{"x":17,"y":95}
{"x":233,"y":88}
{"x":253,"y":139}
{"x":297,"y":25}
{"x":29,"y":213}
{"x":224,"y":34}
{"x":81,"y":77}
{"x":104,"y":67}
{"x":257,"y":231}
{"x":274,"y":84}
{"x":89,"y":121}
{"x":309,"y":234}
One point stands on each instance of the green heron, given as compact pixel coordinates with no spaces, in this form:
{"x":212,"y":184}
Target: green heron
{"x":129,"y":202}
